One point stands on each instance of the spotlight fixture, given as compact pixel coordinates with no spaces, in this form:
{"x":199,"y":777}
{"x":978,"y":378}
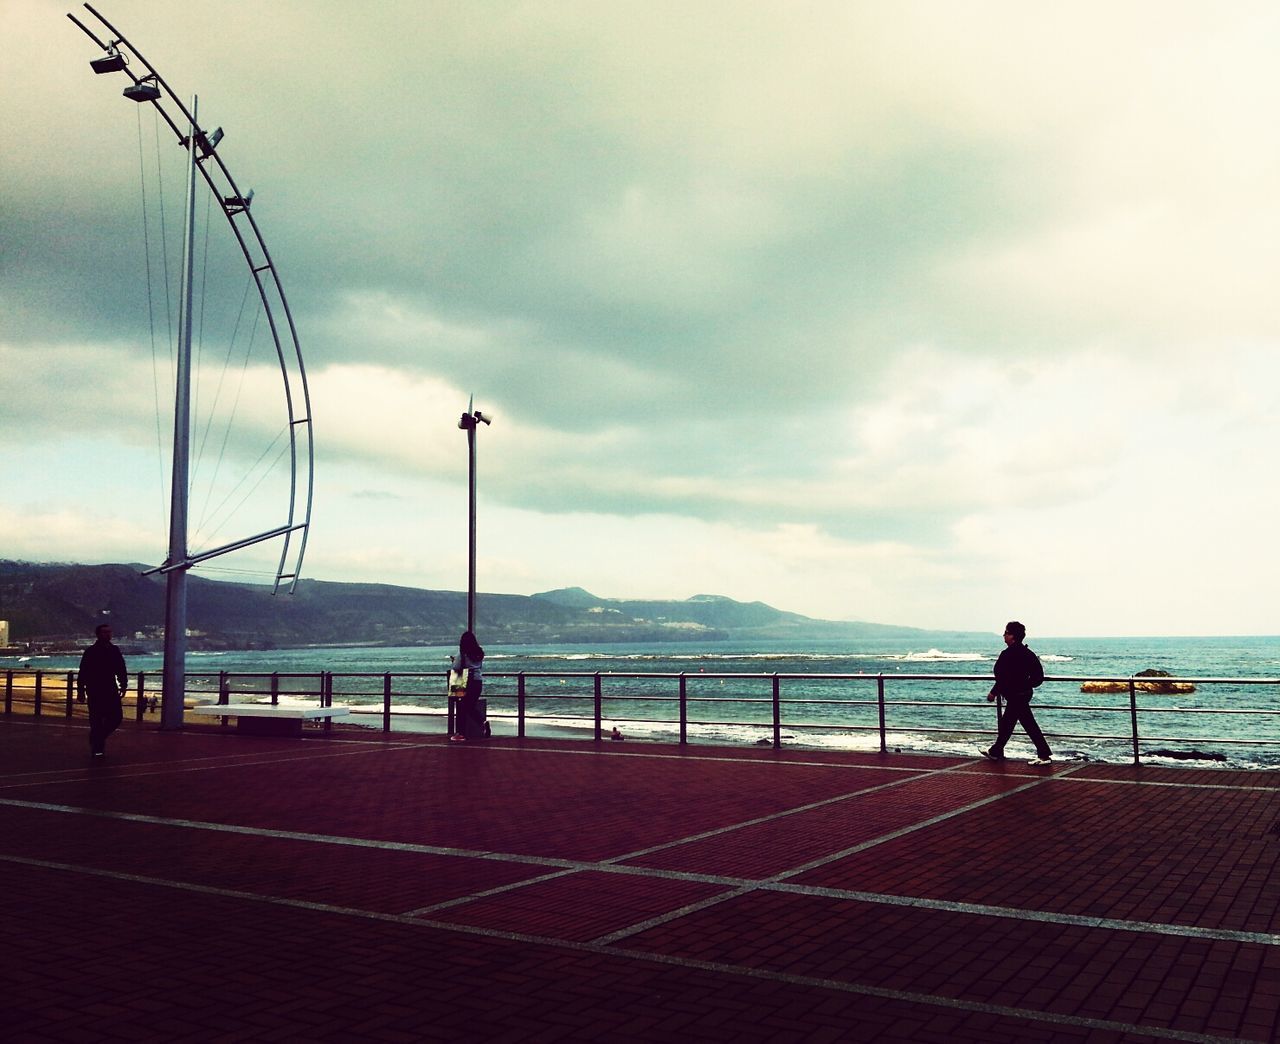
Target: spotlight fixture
{"x":471,"y":419}
{"x":112,"y":61}
{"x":208,"y":142}
{"x":236,"y":204}
{"x":144,"y":90}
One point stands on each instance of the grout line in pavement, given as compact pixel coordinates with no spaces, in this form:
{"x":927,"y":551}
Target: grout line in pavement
{"x":489,"y":893}
{"x":771,"y":817}
{"x":611,"y":950}
{"x":893,"y":835}
{"x":670,"y":915}
{"x":744,"y":884}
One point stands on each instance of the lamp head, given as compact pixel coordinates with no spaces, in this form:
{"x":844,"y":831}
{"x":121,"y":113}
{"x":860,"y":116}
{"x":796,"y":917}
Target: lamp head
{"x":209,"y":142}
{"x":142,"y":91}
{"x":112,"y":61}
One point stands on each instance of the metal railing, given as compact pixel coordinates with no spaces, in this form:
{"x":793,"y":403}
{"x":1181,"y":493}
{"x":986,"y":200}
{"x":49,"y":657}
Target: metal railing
{"x":769,"y":707}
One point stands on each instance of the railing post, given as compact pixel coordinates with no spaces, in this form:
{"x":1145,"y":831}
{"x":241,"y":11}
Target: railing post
{"x":224,"y":694}
{"x":70,"y":691}
{"x":684,"y":710}
{"x":8,"y":692}
{"x":520,"y":705}
{"x":140,"y":694}
{"x":326,"y":696}
{"x":1133,"y":717}
{"x":777,"y":713}
{"x":275,"y":688}
{"x":599,"y":710}
{"x":884,"y":737}
{"x":386,"y":705}
{"x":39,"y":691}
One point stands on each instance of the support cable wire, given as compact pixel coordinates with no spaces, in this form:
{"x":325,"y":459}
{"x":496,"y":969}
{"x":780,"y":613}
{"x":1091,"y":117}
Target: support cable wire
{"x":198,"y":335}
{"x":216,"y":524}
{"x":211,"y":522}
{"x":151,"y":317}
{"x":235,"y":405}
{"x":244,"y":227}
{"x":164,"y":256}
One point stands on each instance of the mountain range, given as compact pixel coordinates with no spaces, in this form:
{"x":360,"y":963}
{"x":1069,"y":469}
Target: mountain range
{"x":55,"y":604}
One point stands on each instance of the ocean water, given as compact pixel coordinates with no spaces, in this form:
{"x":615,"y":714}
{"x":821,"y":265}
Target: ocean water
{"x":934,"y":693}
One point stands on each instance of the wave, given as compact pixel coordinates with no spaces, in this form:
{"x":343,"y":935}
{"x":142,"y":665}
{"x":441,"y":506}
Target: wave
{"x":937,"y":655}
{"x":961,"y":743}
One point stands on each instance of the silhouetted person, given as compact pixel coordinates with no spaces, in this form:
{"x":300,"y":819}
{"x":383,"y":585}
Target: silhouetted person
{"x":1018,"y":672}
{"x":102,"y":676}
{"x":470,"y":658}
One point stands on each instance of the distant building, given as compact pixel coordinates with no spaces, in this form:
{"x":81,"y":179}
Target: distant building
{"x":4,"y":634}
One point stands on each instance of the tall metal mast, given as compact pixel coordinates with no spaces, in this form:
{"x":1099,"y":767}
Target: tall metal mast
{"x":175,"y":600}
{"x":147,"y":86}
{"x":468,"y":424}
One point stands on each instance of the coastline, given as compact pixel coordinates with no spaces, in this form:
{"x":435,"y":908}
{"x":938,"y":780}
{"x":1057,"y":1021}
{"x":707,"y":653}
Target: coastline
{"x":934,"y":696}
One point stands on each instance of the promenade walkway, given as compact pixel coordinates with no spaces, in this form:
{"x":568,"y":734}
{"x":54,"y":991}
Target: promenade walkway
{"x":348,"y":886}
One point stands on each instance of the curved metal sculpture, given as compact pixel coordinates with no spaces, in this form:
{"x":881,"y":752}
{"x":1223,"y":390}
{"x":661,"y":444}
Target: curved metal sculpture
{"x":118,"y":56}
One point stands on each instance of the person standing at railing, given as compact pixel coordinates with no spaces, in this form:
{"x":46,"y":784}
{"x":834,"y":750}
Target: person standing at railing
{"x":470,"y":658}
{"x":1018,"y":671}
{"x":103,"y":677}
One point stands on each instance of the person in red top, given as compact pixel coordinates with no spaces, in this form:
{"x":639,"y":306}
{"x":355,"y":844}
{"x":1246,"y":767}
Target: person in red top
{"x":1018,"y":672}
{"x":102,"y":675}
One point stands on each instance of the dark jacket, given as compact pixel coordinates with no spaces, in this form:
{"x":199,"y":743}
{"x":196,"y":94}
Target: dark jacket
{"x":1016,"y":670}
{"x":102,"y":670}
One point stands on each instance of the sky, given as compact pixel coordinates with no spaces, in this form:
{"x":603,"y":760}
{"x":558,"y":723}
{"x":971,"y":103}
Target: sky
{"x":919,"y":313}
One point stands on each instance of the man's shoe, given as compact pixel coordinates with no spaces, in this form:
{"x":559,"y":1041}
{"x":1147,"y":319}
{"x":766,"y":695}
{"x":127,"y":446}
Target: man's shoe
{"x":990,"y":755}
{"x":1040,"y":761}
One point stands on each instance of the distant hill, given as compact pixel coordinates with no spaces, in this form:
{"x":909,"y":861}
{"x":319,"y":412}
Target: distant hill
{"x":54,"y":604}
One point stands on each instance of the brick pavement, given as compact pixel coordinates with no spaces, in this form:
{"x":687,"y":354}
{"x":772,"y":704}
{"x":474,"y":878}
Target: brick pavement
{"x":203,"y":885}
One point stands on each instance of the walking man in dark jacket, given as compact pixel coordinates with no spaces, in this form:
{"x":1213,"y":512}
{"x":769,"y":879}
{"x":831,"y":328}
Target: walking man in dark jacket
{"x":102,"y":675}
{"x":1018,"y":672}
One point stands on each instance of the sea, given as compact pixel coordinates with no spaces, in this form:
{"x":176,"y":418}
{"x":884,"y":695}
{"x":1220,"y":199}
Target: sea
{"x":934,"y":692}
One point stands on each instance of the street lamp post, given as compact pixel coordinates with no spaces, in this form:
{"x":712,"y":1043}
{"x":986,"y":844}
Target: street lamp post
{"x":468,"y":424}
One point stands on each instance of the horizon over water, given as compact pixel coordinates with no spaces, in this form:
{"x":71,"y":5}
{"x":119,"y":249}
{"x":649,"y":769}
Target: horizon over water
{"x":948,"y":675}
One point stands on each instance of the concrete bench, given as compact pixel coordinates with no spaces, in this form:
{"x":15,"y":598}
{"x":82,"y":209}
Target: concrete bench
{"x":265,"y":719}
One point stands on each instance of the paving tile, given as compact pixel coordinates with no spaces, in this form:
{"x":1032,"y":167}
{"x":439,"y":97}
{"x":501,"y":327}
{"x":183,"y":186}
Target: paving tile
{"x":786,"y":843}
{"x":579,"y":906}
{"x":932,"y":952}
{"x":171,"y":929}
{"x":1205,"y":858}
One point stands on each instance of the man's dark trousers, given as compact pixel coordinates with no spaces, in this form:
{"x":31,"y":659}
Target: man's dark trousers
{"x":105,"y":715}
{"x":1017,"y":711}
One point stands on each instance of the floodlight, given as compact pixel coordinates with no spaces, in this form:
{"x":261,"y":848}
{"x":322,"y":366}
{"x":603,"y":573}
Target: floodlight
{"x":209,"y":142}
{"x":235,"y":204}
{"x":142,"y":91}
{"x":112,"y":61}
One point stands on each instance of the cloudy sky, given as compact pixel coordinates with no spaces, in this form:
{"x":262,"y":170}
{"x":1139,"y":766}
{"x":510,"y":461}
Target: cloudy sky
{"x":923,"y":313}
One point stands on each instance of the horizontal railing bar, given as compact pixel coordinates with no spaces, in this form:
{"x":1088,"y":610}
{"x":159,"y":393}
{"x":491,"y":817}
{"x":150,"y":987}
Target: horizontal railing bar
{"x":419,"y":693}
